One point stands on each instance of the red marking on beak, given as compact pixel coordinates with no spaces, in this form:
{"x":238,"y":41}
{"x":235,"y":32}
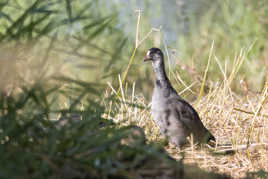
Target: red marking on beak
{"x":147,"y":58}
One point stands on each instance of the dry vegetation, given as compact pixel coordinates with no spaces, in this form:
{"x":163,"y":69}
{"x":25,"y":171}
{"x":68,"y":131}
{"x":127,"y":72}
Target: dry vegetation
{"x":75,"y":148}
{"x":239,"y":122}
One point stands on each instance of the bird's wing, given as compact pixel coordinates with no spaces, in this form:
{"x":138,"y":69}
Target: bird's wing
{"x":189,"y":117}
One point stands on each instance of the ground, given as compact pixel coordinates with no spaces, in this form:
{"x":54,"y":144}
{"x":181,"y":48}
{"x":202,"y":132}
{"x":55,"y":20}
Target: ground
{"x":239,"y":123}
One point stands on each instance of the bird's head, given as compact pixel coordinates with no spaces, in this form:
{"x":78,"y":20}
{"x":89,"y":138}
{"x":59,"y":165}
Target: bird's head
{"x":154,"y":55}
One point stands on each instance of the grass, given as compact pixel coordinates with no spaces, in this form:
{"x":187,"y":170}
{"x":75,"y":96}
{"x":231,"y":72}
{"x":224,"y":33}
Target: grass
{"x":231,"y":25}
{"x":238,"y":121}
{"x":59,"y":121}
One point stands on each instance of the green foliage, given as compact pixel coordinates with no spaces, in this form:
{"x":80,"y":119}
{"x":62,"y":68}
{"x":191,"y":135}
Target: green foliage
{"x":232,"y":26}
{"x":52,"y":122}
{"x":76,"y":28}
{"x":55,"y":57}
{"x":38,"y":141}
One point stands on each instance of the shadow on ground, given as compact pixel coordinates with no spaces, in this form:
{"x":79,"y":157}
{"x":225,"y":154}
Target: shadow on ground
{"x":258,"y":174}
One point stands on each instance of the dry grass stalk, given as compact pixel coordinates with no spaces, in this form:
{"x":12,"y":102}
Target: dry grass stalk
{"x":238,"y":122}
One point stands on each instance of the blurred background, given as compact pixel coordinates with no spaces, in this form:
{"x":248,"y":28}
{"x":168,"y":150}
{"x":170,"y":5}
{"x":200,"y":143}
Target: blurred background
{"x":94,"y":41}
{"x":57,"y":56}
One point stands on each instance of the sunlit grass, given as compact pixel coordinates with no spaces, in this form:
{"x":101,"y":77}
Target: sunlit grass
{"x":74,"y":93}
{"x":238,"y":121}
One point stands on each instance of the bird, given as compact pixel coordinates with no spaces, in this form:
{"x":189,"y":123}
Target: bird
{"x":175,"y":117}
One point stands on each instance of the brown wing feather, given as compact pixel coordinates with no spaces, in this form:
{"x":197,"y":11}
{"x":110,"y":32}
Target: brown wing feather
{"x":190,"y":118}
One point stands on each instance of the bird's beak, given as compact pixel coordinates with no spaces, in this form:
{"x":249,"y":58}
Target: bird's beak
{"x":147,"y":58}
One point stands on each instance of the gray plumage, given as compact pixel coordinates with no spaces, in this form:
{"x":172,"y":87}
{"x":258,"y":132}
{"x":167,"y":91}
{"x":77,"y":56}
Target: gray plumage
{"x":176,"y":118}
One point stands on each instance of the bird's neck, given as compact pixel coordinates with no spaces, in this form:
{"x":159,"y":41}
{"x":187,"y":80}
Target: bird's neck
{"x":161,"y":78}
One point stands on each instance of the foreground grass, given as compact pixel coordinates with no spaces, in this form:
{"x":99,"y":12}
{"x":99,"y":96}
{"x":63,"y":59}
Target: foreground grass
{"x":53,"y":126}
{"x":47,"y":133}
{"x":238,"y":121}
{"x":56,"y":127}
